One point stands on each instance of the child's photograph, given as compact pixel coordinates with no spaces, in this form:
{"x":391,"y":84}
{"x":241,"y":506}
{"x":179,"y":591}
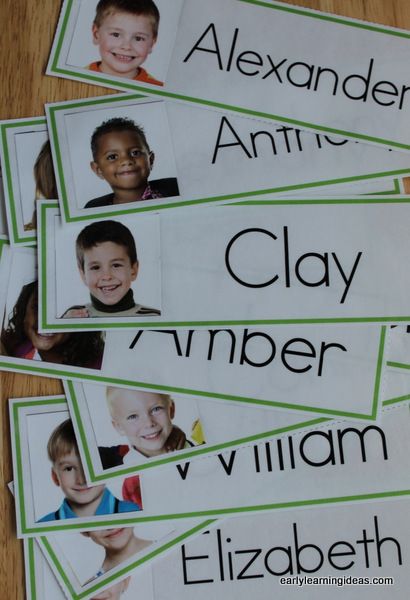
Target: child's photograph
{"x":107,"y":271}
{"x":55,"y":486}
{"x":93,"y":556}
{"x":31,"y":174}
{"x":123,"y":427}
{"x":115,"y":155}
{"x":20,"y":337}
{"x":123,"y":41}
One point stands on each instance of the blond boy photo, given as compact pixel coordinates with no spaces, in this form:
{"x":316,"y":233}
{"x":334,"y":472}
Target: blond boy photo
{"x":125,"y":32}
{"x":144,"y":419}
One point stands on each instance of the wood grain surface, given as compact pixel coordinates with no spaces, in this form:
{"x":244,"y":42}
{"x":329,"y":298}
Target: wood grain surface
{"x":26,"y":32}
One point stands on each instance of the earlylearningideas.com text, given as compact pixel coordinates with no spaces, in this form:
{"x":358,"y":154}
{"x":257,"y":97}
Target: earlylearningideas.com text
{"x":364,"y":86}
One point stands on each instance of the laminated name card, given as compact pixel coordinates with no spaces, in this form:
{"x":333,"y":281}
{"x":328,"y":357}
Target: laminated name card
{"x":268,"y":59}
{"x":289,"y":261}
{"x":355,"y":551}
{"x":322,"y":462}
{"x":329,"y":369}
{"x":128,"y":153}
{"x":350,"y":552}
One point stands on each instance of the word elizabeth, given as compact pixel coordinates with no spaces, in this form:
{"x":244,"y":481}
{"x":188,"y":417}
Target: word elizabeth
{"x":299,"y":74}
{"x":296,"y":558}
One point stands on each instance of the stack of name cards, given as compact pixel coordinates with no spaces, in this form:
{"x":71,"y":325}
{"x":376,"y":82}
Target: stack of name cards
{"x":214,"y":261}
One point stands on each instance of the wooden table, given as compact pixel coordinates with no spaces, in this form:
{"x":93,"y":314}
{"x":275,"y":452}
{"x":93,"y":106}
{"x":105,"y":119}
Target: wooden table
{"x":26,"y":32}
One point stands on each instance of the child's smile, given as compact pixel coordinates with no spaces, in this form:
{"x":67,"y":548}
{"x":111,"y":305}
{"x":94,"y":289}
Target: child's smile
{"x":124,"y":162}
{"x":108,"y":272}
{"x":144,"y":418}
{"x":124,"y":41}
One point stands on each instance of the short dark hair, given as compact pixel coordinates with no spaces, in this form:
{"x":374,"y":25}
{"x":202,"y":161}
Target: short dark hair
{"x":116,"y":124}
{"x":147,"y":8}
{"x":105,"y":231}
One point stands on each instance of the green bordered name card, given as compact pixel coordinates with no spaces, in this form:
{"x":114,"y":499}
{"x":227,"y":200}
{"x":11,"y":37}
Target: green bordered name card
{"x":129,"y":153}
{"x":280,"y":262}
{"x":344,"y":76}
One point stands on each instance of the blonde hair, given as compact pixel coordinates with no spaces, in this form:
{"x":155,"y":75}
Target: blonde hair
{"x":111,"y":391}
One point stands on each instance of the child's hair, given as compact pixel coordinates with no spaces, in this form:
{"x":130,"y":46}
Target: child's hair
{"x":44,"y":174}
{"x":146,"y":8}
{"x":62,"y":441}
{"x":111,"y":390}
{"x":82,"y":349}
{"x":105,"y":231}
{"x":116,"y":124}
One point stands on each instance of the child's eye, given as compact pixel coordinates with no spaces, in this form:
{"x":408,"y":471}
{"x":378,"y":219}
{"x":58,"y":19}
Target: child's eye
{"x":117,"y":265}
{"x":131,"y":417}
{"x":68,"y":469}
{"x":94,"y":268}
{"x":136,"y":152}
{"x":157,"y":409}
{"x":115,"y":34}
{"x":111,"y":156}
{"x":139,"y":38}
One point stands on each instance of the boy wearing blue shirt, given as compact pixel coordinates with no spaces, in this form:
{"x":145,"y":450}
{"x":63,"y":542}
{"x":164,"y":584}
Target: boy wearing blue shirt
{"x":67,"y":473}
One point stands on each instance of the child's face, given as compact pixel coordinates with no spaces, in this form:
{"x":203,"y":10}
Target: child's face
{"x":123,"y":161}
{"x":40,"y":341}
{"x":108,"y":272}
{"x":67,"y":472}
{"x":124,"y":40}
{"x":144,"y":418}
{"x":112,"y":539}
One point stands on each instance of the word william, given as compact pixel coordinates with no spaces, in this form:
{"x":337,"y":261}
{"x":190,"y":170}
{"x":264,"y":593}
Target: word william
{"x":299,"y":74}
{"x":326,"y":263}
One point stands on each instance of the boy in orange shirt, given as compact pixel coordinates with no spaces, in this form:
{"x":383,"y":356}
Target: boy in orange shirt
{"x":125,"y":32}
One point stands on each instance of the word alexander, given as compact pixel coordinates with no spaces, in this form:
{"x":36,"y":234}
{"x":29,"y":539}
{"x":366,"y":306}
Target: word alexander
{"x":228,"y":562}
{"x":299,"y":74}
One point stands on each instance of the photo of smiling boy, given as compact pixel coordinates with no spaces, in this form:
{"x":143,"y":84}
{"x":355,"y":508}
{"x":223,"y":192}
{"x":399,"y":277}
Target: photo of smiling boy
{"x":125,"y":32}
{"x":145,"y":420}
{"x":122,"y":157}
{"x":67,"y":473}
{"x":108,"y":264}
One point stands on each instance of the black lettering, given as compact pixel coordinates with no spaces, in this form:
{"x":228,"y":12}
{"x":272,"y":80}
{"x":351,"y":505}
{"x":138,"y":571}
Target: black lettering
{"x":379,"y":543}
{"x":403,"y":93}
{"x":378,"y":89}
{"x":365,"y":80}
{"x":185,"y":559}
{"x":331,"y":454}
{"x":212,"y":335}
{"x":288,"y":552}
{"x":361,"y":436}
{"x":256,"y":553}
{"x":268,"y":135}
{"x":274,"y":69}
{"x":214,"y":50}
{"x":332,"y":554}
{"x":228,"y":466}
{"x":228,"y":264}
{"x":300,"y":549}
{"x":324,"y":258}
{"x":258,"y":62}
{"x":238,"y":142}
{"x":135,"y":340}
{"x":349,"y":280}
{"x":286,"y":350}
{"x":323,"y":349}
{"x":256,"y":334}
{"x":319,"y":72}
{"x":308,"y":82}
{"x":183,"y":470}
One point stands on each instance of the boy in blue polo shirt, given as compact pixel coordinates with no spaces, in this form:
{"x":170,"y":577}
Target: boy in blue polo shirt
{"x":67,"y":473}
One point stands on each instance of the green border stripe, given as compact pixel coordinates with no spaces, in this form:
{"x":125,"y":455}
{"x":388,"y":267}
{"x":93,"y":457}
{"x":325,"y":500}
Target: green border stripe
{"x":32,"y":568}
{"x":8,"y":177}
